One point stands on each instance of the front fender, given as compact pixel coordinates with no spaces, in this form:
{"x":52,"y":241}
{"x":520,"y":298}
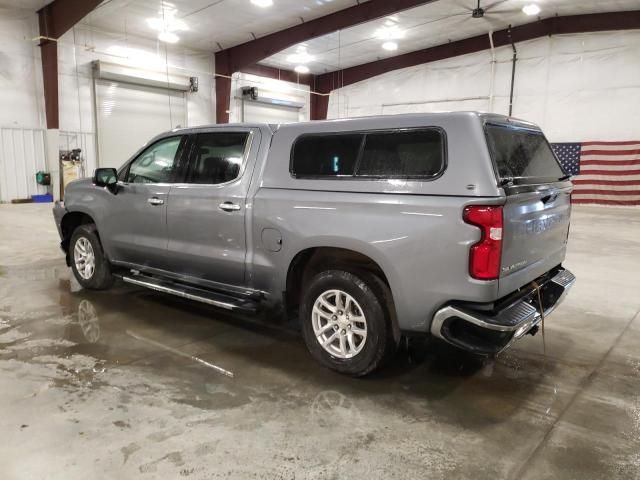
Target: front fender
{"x":82,"y":196}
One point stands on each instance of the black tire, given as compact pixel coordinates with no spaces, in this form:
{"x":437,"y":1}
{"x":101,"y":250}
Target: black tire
{"x":363,"y":287}
{"x":101,"y":277}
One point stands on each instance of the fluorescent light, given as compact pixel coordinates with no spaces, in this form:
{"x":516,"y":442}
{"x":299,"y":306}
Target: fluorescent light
{"x":301,"y":56}
{"x":531,"y":9}
{"x":301,"y":69}
{"x":168,"y":37}
{"x":391,"y":46}
{"x":262,"y":3}
{"x":389,"y":33}
{"x":167,"y":24}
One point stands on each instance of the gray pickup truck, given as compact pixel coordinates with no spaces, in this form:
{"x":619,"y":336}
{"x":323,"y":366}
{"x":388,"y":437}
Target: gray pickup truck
{"x":448,"y":224}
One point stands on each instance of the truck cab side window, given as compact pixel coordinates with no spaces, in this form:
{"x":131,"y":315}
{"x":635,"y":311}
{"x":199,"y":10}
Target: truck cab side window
{"x":156,"y":164}
{"x":217,"y":157}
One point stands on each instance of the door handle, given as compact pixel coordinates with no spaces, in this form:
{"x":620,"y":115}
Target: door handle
{"x":155,"y":201}
{"x":229,"y":207}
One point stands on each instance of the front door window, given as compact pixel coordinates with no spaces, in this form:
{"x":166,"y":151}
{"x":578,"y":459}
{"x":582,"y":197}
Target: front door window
{"x":156,"y":164}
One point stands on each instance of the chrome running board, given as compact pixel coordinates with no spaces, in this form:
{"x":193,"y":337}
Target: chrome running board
{"x":216,"y":299}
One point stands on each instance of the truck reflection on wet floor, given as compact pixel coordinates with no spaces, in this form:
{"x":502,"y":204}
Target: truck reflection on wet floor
{"x":98,"y":339}
{"x":85,"y":328}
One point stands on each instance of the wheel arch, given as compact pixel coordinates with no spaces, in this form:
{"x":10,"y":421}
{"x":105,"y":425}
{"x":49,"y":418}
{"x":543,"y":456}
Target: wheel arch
{"x":313,"y":259}
{"x":70,"y":221}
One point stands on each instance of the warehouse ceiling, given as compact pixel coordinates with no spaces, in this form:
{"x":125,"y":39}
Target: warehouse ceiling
{"x":426,"y":26}
{"x":212,"y":25}
{"x":208,"y":24}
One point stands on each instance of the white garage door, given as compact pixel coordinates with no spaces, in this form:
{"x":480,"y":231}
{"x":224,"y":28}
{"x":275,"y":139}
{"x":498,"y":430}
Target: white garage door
{"x":268,"y":113}
{"x":130,"y":115}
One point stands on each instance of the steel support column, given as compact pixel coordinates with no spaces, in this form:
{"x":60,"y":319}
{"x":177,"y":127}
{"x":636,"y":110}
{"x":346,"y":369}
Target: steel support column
{"x":54,"y":20}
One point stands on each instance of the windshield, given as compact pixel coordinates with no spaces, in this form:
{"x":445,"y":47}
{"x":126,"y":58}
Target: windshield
{"x":521,"y":155}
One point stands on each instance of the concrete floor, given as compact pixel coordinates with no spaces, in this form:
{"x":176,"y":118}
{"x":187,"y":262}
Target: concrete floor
{"x":120,"y":383}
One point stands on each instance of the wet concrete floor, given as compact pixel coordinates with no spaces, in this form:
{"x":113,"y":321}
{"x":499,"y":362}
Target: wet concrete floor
{"x":122,"y":383}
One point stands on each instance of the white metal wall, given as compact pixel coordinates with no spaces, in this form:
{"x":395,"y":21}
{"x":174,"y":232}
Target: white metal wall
{"x":22,"y":151}
{"x":576,"y":87}
{"x":22,"y":154}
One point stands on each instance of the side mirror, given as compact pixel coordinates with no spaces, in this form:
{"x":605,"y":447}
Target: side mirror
{"x":105,"y":177}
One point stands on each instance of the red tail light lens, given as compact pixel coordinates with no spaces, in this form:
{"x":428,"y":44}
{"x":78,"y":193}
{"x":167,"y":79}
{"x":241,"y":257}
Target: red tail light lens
{"x":484,"y":256}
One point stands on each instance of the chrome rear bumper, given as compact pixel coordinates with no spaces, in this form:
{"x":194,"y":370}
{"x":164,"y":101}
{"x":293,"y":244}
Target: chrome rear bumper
{"x":491,"y":331}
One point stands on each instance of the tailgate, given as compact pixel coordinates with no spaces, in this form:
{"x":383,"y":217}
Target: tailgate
{"x":537,"y":211}
{"x":536,"y":225}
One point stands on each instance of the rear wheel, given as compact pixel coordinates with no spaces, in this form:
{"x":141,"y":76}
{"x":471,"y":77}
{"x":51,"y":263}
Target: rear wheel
{"x":88,"y":262}
{"x":345,"y":323}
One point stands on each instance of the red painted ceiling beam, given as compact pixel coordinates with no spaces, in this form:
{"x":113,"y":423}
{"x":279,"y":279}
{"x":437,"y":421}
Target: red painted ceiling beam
{"x":54,"y":20}
{"x":60,"y":15}
{"x":279,"y":74}
{"x":596,"y":22}
{"x":252,"y":52}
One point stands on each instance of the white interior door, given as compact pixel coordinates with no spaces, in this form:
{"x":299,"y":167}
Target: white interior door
{"x":129,"y":115}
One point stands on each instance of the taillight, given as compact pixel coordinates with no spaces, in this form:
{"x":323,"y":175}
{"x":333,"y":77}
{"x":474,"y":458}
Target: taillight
{"x":484,"y":256}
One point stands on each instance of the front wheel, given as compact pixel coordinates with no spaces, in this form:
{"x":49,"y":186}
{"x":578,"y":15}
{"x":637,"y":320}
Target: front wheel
{"x":88,"y":262}
{"x":345,"y":323}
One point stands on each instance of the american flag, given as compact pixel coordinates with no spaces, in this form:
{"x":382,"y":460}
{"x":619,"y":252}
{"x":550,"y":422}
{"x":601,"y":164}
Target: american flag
{"x":605,"y":173}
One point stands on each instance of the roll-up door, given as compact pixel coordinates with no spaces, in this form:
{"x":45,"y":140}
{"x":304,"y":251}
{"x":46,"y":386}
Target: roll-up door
{"x":129,"y":115}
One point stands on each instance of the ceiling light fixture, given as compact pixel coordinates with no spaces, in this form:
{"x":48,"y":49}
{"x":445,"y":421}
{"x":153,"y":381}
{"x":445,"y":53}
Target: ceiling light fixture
{"x":389,"y":33}
{"x":301,"y":69}
{"x":262,"y":3}
{"x":391,"y":46}
{"x":531,"y":9}
{"x":168,"y":37}
{"x":167,"y":24}
{"x":301,"y":56}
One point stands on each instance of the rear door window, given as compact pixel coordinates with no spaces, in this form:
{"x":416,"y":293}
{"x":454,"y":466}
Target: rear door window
{"x":331,"y":155}
{"x":405,"y":153}
{"x":217,"y":157}
{"x":521,"y":155}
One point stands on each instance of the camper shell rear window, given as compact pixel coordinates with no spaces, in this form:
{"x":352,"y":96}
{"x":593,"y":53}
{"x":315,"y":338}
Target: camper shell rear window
{"x":522,"y":155}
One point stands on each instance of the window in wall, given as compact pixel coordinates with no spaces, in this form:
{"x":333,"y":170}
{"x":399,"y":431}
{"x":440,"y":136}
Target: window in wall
{"x":156,"y":164}
{"x":405,"y":153}
{"x":217,"y":157}
{"x":331,"y":155}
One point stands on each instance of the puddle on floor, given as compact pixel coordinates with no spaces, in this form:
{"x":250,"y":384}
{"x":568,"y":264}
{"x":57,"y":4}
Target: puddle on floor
{"x":151,"y":366}
{"x":192,"y":347}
